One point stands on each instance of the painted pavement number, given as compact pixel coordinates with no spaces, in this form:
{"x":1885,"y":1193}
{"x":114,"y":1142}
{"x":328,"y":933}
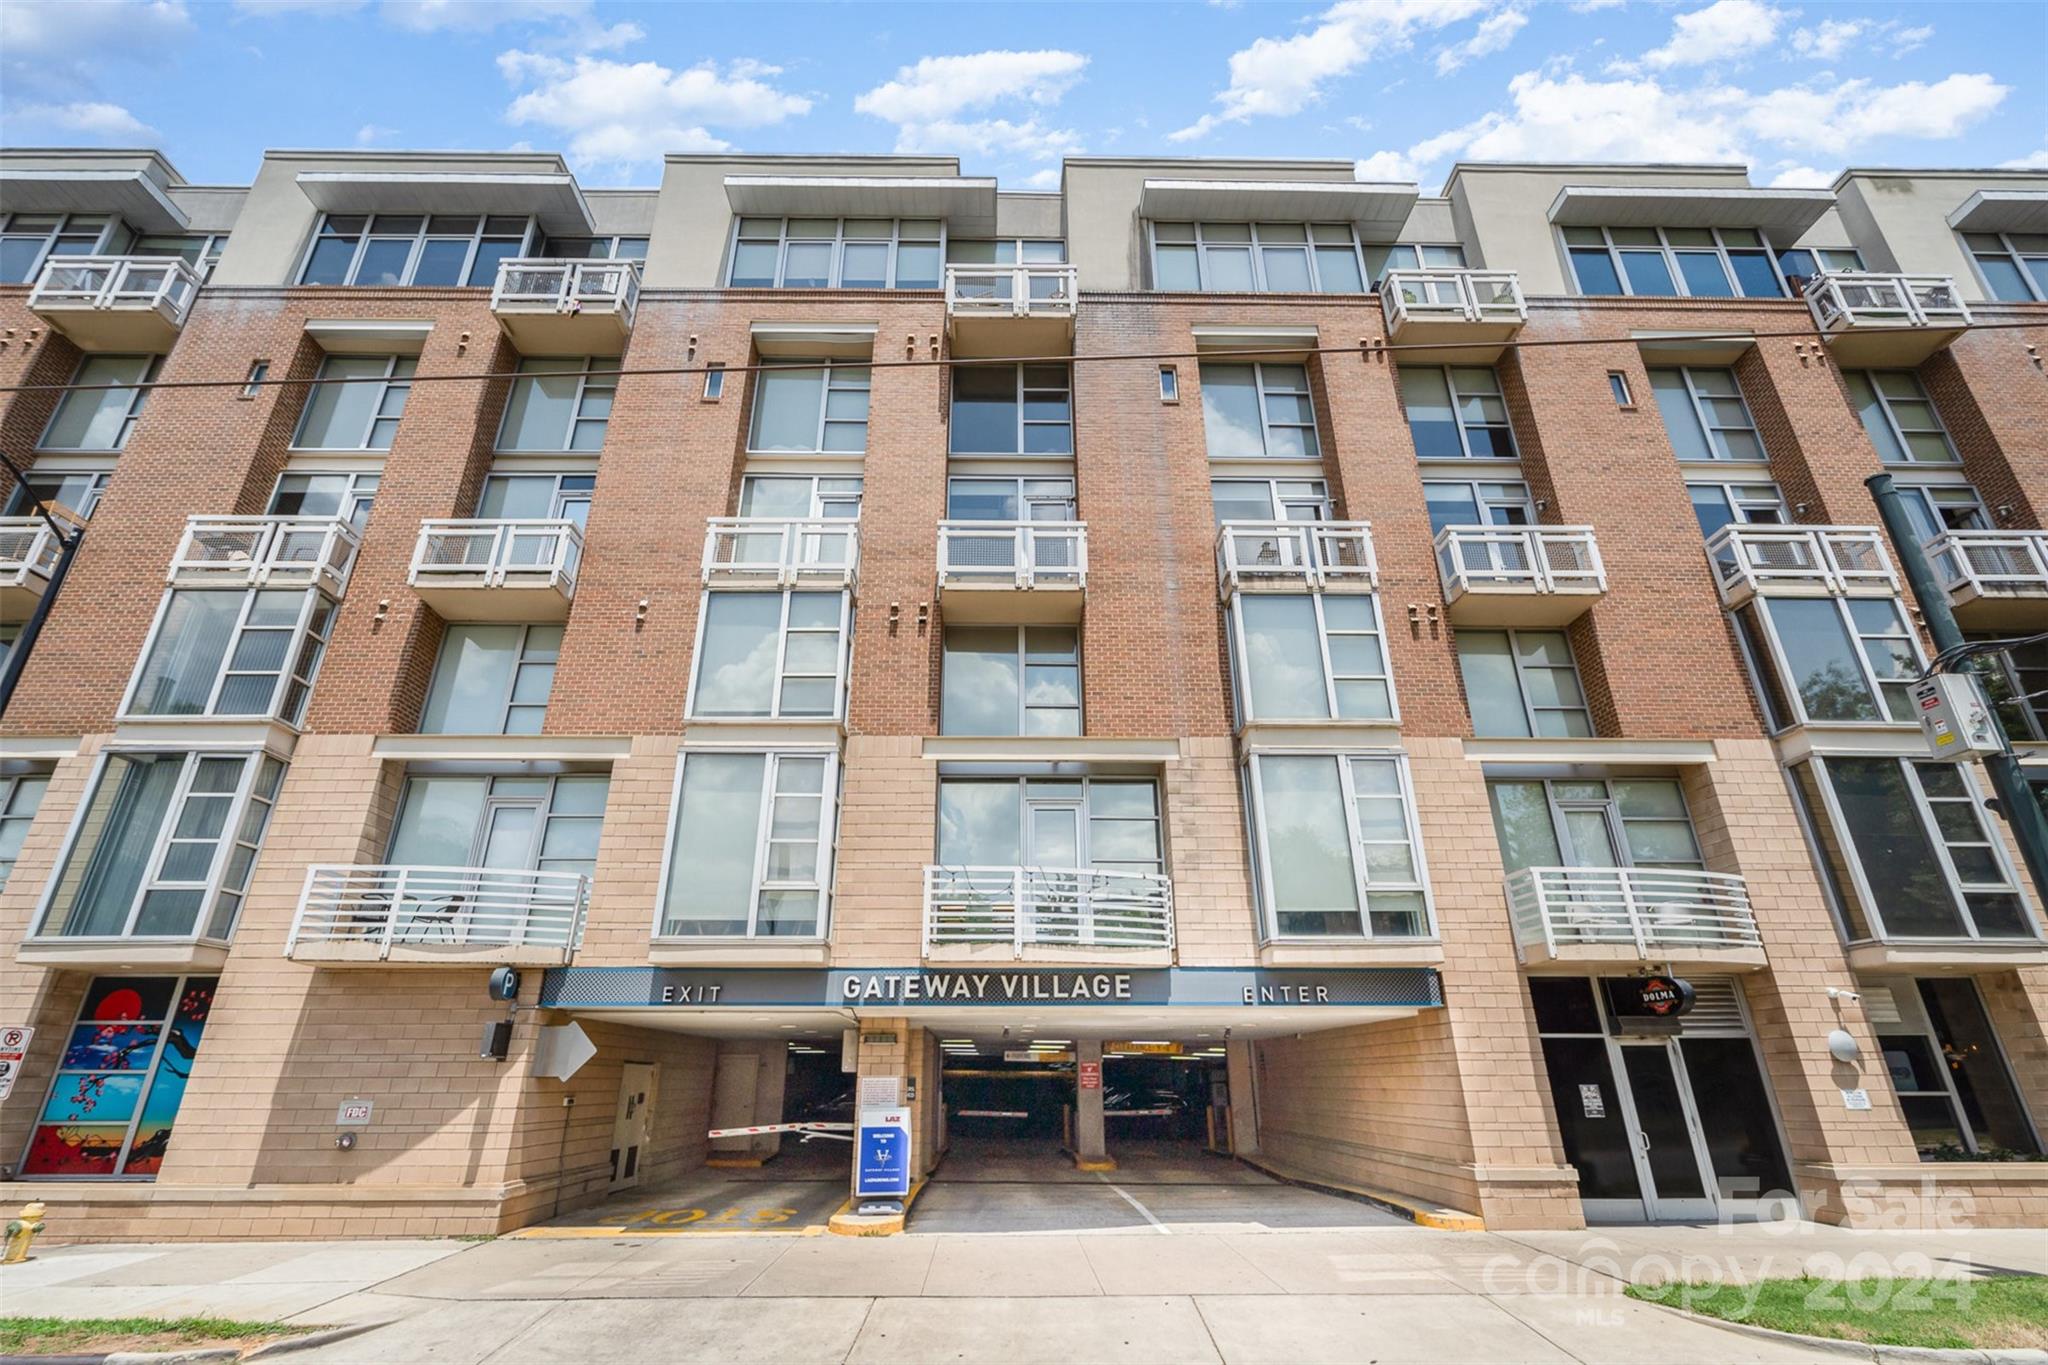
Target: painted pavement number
{"x":733,"y":1218}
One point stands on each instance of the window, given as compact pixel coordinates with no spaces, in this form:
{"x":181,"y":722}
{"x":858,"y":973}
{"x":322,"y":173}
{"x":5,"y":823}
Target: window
{"x":1309,"y":656}
{"x":1617,"y":384}
{"x":1270,"y":500}
{"x":1912,"y":849}
{"x":1699,"y":262}
{"x":595,"y":249}
{"x":1900,"y":417}
{"x":1724,"y":504}
{"x":1109,"y":824}
{"x":21,"y":796}
{"x":714,"y":382}
{"x":836,"y":253}
{"x":1799,"y":264}
{"x":252,"y":384}
{"x":1419,"y":256}
{"x":163,"y":846}
{"x":800,"y":497}
{"x":100,"y":419}
{"x":1006,"y":251}
{"x":1704,"y":414}
{"x":1011,"y":680}
{"x":771,"y":654}
{"x":492,"y":680}
{"x":1622,"y":822}
{"x":1847,"y":660}
{"x":113,"y":1105}
{"x":559,"y":404}
{"x":1262,"y":410}
{"x":415,"y":249}
{"x":1458,"y":503}
{"x":217,"y":653}
{"x":346,"y":496}
{"x":1934,"y":508}
{"x":537,"y":497}
{"x":200,"y":250}
{"x":1001,"y":499}
{"x":360,"y":413}
{"x":78,"y":490}
{"x":810,"y":408}
{"x":1012,"y":410}
{"x":1522,"y":683}
{"x":512,"y":822}
{"x":1169,"y":384}
{"x":750,"y":847}
{"x":1950,"y":1074}
{"x":2013,"y":265}
{"x":2016,"y":680}
{"x":29,"y":239}
{"x":1294,"y":258}
{"x":1456,"y":413}
{"x":1335,"y":847}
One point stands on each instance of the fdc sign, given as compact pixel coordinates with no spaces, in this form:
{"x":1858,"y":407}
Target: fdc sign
{"x":882,"y":1158}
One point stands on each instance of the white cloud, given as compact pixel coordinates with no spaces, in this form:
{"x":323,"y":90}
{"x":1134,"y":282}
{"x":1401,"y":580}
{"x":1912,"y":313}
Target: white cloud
{"x":925,"y":99}
{"x":277,"y":9}
{"x":1045,"y":178}
{"x":1802,"y":178}
{"x":1383,"y":167}
{"x":621,"y":113}
{"x":1281,"y":76}
{"x":1495,"y":32}
{"x":477,"y":16}
{"x":1833,"y":39}
{"x":1855,"y":112}
{"x":94,"y":117}
{"x":988,"y":138}
{"x":370,"y":134}
{"x":1723,"y":30}
{"x":59,"y":50}
{"x":2030,"y":162}
{"x":1574,"y":119}
{"x":1590,"y":6}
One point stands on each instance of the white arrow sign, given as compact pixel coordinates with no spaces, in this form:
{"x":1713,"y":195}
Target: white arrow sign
{"x":561,"y":1052}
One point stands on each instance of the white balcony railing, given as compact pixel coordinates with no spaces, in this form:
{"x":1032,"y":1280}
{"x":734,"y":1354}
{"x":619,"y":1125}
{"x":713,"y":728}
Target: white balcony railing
{"x":1046,"y":290}
{"x":1991,"y":563}
{"x":28,"y":552}
{"x":377,"y":910}
{"x":497,"y":554}
{"x":1658,"y":913}
{"x":163,"y":285}
{"x":1453,"y":296}
{"x":530,"y":286}
{"x":1013,"y":554}
{"x":781,"y":551}
{"x":1296,"y":554}
{"x":265,"y":552}
{"x":1844,"y":300}
{"x":1749,"y":559}
{"x":1047,"y":907}
{"x":1519,"y":559}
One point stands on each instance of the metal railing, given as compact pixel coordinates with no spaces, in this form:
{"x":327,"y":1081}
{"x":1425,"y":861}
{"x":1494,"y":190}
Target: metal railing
{"x":1842,"y":300}
{"x":559,"y":286}
{"x":1749,"y":558}
{"x":440,"y":907}
{"x":531,"y":553}
{"x":1992,"y":563}
{"x":1493,"y":296}
{"x":782,"y":550}
{"x":1296,"y":554}
{"x":1659,"y":912}
{"x":28,"y":549}
{"x":1532,"y":559}
{"x":160,"y":284}
{"x":1047,"y":290}
{"x":1047,"y":907}
{"x":1016,"y":554}
{"x":265,"y":552}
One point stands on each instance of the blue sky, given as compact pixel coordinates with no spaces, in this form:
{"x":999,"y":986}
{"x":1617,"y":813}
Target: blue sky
{"x":1403,"y":87}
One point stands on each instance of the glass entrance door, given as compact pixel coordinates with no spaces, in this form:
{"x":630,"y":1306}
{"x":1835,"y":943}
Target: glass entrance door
{"x":1671,"y":1157}
{"x":1052,"y":858}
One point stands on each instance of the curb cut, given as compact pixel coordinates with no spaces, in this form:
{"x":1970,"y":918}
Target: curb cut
{"x":220,"y":1355}
{"x":324,"y":1337}
{"x":1872,"y":1351}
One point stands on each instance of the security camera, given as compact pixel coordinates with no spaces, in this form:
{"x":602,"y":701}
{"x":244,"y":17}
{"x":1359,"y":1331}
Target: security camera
{"x":1844,"y":993}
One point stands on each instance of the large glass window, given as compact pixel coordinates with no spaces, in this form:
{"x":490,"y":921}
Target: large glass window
{"x":164,"y":846}
{"x":2016,"y":680}
{"x":1832,"y":660}
{"x":1456,"y":412}
{"x":27,"y":240}
{"x":1459,"y":503}
{"x":1799,"y":264}
{"x":560,"y":404}
{"x":2013,"y":265}
{"x":1412,"y":256}
{"x":800,"y":497}
{"x":750,"y":848}
{"x":415,"y":249}
{"x":1259,"y":410}
{"x":999,"y":499}
{"x":1725,"y":504}
{"x":1012,"y":410}
{"x":78,"y":490}
{"x":1110,"y":824}
{"x":810,"y":408}
{"x":514,"y":822}
{"x":595,"y":249}
{"x":91,"y":418}
{"x":1593,"y":822}
{"x":1704,"y":414}
{"x":21,"y":796}
{"x":1522,"y":683}
{"x":836,"y":253}
{"x":1294,"y":258}
{"x":1309,"y":656}
{"x":362,"y":411}
{"x":1011,"y":680}
{"x":538,"y":497}
{"x":345,"y":496}
{"x":1336,"y":847}
{"x":1938,"y":507}
{"x":121,"y":1077}
{"x":1900,"y":417}
{"x":1700,"y":262}
{"x":233,"y":653}
{"x":771,"y":654}
{"x":492,"y":680}
{"x":1950,"y":1073}
{"x":1270,"y":500}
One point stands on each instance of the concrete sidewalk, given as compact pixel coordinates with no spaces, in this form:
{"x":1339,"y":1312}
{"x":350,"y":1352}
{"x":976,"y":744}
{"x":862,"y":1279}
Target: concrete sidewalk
{"x":1381,"y":1294}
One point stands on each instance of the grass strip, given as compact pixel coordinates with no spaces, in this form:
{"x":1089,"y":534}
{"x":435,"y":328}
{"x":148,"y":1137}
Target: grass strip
{"x":90,"y":1336}
{"x":2000,"y":1313}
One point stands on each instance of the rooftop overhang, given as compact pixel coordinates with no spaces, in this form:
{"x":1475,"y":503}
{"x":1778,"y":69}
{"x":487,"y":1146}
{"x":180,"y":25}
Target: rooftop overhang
{"x":1379,"y":210}
{"x":553,"y":197}
{"x":1782,"y":214}
{"x":966,"y":203}
{"x":2002,"y":211}
{"x":139,"y":200}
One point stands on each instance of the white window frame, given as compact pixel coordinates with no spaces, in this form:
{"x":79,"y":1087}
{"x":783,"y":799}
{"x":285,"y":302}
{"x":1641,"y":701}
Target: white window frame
{"x":599,"y":374}
{"x":110,"y":226}
{"x":506,"y":706}
{"x":1023,"y":655}
{"x":1745,"y":498}
{"x":1240,"y":667}
{"x":1266,"y":424}
{"x":287,"y":675}
{"x":1670,"y":253}
{"x":419,"y":238}
{"x":1610,"y":806}
{"x":1308,"y":244}
{"x":1529,"y":708}
{"x":1088,"y":782}
{"x":47,"y":471}
{"x":826,"y":388}
{"x":1262,"y":859}
{"x":828,"y":846}
{"x":356,"y":501}
{"x":1899,"y":433}
{"x":1418,"y":253}
{"x":1016,"y":246}
{"x":200,"y":250}
{"x":839,"y":239}
{"x":1711,"y":431}
{"x":1781,"y":673}
{"x":392,"y":381}
{"x":1507,"y":424}
{"x":1487,"y":503}
{"x":480,"y":833}
{"x":780,"y":673}
{"x":611,"y":241}
{"x":1024,"y":423}
{"x":2014,"y":256}
{"x":1283,"y":506}
{"x":560,"y":500}
{"x":823,"y":500}
{"x":1054,"y":491}
{"x":136,"y":399}
{"x":1936,"y":499}
{"x":12,"y":812}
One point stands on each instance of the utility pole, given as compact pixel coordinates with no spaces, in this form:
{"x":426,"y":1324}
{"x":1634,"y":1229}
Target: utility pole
{"x":2015,"y":798}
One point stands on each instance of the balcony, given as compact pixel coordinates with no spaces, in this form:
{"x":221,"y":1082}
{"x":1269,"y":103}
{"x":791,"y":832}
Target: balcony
{"x":116,"y":303}
{"x":1994,"y":579}
{"x":1027,"y":573}
{"x":28,"y":556}
{"x":1295,"y":556}
{"x":497,"y":570}
{"x":778,"y":552}
{"x":438,"y":916}
{"x":1479,"y":309}
{"x":1801,"y":561}
{"x":1582,"y":916}
{"x":265,"y":552}
{"x":1519,"y":575}
{"x":1047,"y":913}
{"x":1011,"y":310}
{"x":1876,"y":319}
{"x":567,"y":307}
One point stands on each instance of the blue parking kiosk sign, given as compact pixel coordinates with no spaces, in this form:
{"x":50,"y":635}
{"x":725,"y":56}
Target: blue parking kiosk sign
{"x":883,"y":1155}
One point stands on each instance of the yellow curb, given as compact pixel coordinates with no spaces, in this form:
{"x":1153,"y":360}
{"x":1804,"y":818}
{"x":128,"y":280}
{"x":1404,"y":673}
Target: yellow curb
{"x":1107,"y":1163}
{"x":1423,"y":1215}
{"x":847,"y":1223}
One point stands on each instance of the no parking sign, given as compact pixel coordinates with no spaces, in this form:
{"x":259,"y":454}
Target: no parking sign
{"x":882,"y":1156}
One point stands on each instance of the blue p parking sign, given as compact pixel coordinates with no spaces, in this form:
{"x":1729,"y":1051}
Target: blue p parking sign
{"x":882,"y":1157}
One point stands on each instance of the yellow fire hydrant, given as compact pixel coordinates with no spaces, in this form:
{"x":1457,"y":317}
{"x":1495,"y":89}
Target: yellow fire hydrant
{"x":21,"y":1231}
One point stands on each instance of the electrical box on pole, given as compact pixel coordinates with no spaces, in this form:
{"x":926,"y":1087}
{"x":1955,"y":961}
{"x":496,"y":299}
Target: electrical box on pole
{"x":1956,"y":718}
